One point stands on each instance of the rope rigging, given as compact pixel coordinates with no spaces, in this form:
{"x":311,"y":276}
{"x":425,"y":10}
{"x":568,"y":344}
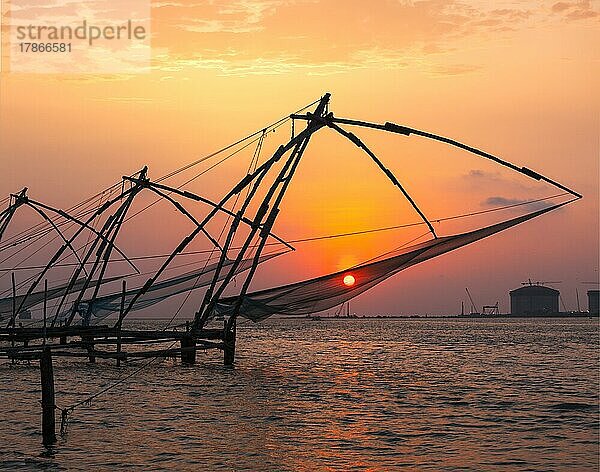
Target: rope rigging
{"x":66,"y":411}
{"x":252,"y":167}
{"x":271,"y":127}
{"x":324,"y":237}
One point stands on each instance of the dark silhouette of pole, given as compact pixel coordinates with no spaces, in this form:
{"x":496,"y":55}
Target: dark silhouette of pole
{"x":14,"y":310}
{"x":45,"y":308}
{"x":48,"y":400}
{"x":229,"y":335}
{"x":120,"y":323}
{"x":276,"y":191}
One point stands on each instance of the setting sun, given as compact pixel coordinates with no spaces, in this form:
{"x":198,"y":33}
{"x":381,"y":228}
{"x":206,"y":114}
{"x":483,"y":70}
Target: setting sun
{"x":349,"y":280}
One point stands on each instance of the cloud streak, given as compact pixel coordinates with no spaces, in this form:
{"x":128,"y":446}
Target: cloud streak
{"x":575,"y":11}
{"x":499,"y":201}
{"x":333,"y":36}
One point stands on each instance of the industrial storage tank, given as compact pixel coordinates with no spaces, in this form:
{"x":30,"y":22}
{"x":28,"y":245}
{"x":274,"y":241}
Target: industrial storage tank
{"x":593,"y":300}
{"x":534,"y":300}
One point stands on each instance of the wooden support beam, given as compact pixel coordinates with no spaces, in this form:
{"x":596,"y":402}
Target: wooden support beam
{"x":48,"y":400}
{"x":102,"y":332}
{"x":176,"y":351}
{"x":34,"y":352}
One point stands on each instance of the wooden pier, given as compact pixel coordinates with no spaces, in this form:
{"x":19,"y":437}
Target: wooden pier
{"x":85,"y":341}
{"x":94,"y":342}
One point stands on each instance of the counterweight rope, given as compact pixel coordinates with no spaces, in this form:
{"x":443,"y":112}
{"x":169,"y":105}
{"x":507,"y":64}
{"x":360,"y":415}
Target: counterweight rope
{"x":65,"y":412}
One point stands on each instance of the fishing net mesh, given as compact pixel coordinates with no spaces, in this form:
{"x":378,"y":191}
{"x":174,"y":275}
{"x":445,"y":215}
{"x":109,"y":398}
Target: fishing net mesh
{"x":108,"y":304}
{"x":323,"y":293}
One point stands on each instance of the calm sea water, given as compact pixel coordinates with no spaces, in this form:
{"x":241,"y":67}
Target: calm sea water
{"x":332,"y":395}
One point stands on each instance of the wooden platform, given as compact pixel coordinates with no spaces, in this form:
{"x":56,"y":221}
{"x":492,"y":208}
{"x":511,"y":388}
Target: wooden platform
{"x":83,"y":341}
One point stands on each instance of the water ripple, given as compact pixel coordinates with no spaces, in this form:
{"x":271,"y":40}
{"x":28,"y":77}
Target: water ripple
{"x":332,"y":395}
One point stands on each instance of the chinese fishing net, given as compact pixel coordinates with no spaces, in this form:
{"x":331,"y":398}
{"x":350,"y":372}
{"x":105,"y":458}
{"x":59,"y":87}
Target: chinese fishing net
{"x":325,"y":292}
{"x":104,"y":306}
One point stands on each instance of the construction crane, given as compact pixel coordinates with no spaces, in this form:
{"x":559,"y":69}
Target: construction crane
{"x":473,"y":307}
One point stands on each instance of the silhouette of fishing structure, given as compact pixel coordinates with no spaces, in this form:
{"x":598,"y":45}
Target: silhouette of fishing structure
{"x":74,"y":327}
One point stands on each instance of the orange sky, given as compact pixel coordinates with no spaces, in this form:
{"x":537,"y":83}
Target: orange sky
{"x":518,"y":79}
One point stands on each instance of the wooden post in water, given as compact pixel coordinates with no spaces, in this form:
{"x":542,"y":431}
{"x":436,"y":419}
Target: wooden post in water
{"x":89,"y":342}
{"x":48,"y":401}
{"x":188,"y":356}
{"x":120,"y":323}
{"x":14,"y":311}
{"x":45,"y":308}
{"x":229,"y":343}
{"x":64,"y":339}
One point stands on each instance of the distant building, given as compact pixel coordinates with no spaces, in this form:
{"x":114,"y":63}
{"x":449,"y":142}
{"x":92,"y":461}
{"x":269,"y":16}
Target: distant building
{"x":533,"y":300}
{"x":593,"y":296}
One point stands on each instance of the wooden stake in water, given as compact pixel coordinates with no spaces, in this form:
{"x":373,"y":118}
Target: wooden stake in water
{"x":188,"y":346}
{"x":48,"y":401}
{"x":14,"y":310}
{"x":229,"y":334}
{"x":45,"y":307}
{"x":120,"y":322}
